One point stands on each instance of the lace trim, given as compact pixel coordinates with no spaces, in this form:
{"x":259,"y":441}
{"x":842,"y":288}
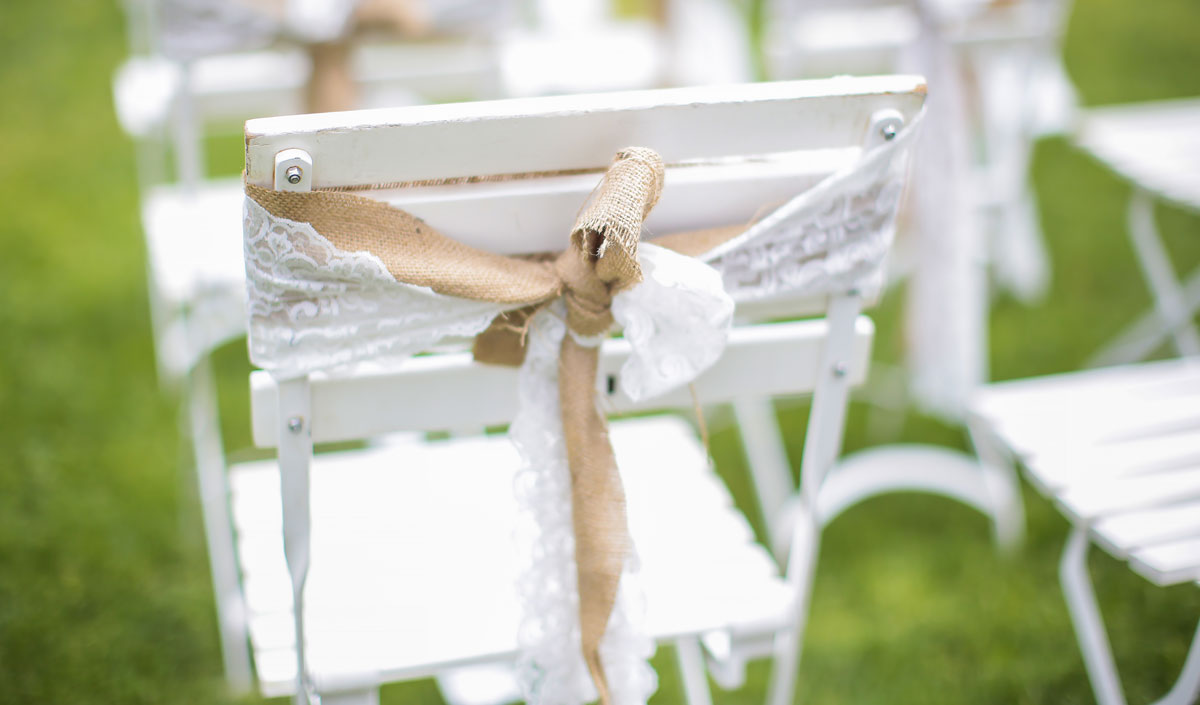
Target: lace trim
{"x":833,"y":237}
{"x":550,"y":666}
{"x":314,"y":307}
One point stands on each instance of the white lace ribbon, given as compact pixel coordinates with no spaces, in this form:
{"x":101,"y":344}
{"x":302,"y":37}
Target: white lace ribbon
{"x":677,"y":321}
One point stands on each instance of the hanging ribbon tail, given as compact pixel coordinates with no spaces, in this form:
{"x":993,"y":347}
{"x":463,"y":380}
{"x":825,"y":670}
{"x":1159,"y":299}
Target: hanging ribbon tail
{"x":602,"y":261}
{"x":602,"y":541}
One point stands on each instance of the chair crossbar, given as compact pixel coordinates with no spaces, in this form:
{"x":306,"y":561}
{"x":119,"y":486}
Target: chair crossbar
{"x":455,"y":392}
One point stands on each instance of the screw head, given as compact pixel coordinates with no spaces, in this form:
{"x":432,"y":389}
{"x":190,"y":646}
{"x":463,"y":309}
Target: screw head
{"x":840,"y":369}
{"x":294,"y":174}
{"x":295,"y":424}
{"x":888,"y":131}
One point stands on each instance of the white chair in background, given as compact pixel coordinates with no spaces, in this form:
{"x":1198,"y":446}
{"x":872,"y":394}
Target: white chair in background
{"x":1156,"y":148}
{"x":186,"y":83}
{"x":200,"y":68}
{"x":581,"y":47}
{"x":410,"y":545}
{"x":997,"y":83}
{"x":947,"y":291}
{"x":1117,"y":450}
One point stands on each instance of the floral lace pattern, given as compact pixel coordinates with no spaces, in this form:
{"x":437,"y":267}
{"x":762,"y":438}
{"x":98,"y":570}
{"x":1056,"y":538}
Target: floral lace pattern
{"x":550,"y":666}
{"x":833,"y":237}
{"x":314,"y":307}
{"x":676,"y":321}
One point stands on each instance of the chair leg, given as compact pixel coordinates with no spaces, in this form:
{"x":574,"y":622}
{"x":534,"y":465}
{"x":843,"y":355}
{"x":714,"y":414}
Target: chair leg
{"x":1187,"y":688}
{"x":1089,"y":625}
{"x":1169,"y":297}
{"x":1140,"y":339}
{"x":295,"y":458}
{"x":1003,"y":486}
{"x":691,"y":671}
{"x":801,"y":566}
{"x":209,"y":458}
{"x":769,"y":466}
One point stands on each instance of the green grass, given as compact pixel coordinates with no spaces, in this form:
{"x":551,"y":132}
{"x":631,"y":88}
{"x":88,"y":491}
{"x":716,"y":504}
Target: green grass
{"x":104,"y":592}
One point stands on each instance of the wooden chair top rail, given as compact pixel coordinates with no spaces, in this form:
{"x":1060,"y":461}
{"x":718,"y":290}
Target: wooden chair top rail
{"x":567,"y":133}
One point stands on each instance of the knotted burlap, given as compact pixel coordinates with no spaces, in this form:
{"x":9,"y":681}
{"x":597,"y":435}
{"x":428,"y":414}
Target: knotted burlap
{"x":600,"y":262}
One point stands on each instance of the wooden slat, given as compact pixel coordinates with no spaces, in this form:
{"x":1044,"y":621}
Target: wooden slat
{"x":226,"y":88}
{"x":536,"y":215}
{"x":1073,"y":410}
{"x":1169,"y":563}
{"x":1099,"y":497}
{"x":455,"y":392}
{"x":572,"y":132}
{"x":1122,"y":533}
{"x":1066,"y":466}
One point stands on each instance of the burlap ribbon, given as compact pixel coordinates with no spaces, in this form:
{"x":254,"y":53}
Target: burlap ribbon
{"x":601,"y":261}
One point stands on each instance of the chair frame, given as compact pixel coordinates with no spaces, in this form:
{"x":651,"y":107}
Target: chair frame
{"x":293,"y":422}
{"x":1175,"y":303}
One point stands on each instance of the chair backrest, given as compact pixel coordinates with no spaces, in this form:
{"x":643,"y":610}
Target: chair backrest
{"x":731,"y":152}
{"x":510,"y":177}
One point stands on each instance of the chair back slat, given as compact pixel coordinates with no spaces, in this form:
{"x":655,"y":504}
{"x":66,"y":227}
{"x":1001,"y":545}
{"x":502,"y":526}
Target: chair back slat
{"x":537,"y":214}
{"x":456,"y":393}
{"x":577,"y":132}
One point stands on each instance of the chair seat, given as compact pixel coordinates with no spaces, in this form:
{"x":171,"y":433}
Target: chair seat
{"x":194,"y":245}
{"x":400,"y":585}
{"x":1117,"y":449}
{"x":1155,"y":145}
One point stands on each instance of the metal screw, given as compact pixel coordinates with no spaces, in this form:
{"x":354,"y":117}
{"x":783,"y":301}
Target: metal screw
{"x":888,"y":131}
{"x":840,"y":369}
{"x":295,"y":424}
{"x":295,"y":173}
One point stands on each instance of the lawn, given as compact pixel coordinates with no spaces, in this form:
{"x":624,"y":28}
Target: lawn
{"x":104,"y":589}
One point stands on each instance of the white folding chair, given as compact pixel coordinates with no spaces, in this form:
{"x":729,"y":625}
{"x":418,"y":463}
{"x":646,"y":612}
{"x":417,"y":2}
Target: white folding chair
{"x":1154,"y":146}
{"x":582,"y":47}
{"x":997,"y":83}
{"x":396,"y":561}
{"x":1116,"y":449}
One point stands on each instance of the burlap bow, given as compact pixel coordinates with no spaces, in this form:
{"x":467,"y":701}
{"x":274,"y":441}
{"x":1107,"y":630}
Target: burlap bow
{"x":602,"y":260}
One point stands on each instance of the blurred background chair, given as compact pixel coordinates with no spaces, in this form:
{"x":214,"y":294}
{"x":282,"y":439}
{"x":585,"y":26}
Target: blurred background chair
{"x":1155,"y":147}
{"x":199,"y":68}
{"x":384,"y":520}
{"x":1116,"y":448}
{"x":969,"y":180}
{"x":997,"y":83}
